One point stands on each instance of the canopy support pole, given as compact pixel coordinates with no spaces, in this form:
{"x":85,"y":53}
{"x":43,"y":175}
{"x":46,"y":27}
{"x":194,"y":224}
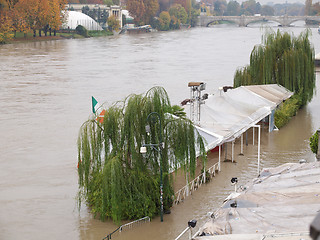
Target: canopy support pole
{"x":232,"y":150}
{"x":259,"y":139}
{"x":226,"y":151}
{"x":219,"y":158}
{"x":252,"y":136}
{"x":241,"y":148}
{"x":247,"y":138}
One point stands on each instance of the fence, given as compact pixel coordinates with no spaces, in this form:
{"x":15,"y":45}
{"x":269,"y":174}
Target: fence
{"x":127,"y":225}
{"x":194,"y":184}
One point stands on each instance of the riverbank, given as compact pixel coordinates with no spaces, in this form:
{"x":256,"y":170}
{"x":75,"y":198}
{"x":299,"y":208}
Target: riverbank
{"x":20,"y":38}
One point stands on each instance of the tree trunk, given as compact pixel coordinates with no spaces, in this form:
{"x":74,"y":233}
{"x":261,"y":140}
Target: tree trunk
{"x":34,"y":33}
{"x":54,"y":33}
{"x":39,"y":33}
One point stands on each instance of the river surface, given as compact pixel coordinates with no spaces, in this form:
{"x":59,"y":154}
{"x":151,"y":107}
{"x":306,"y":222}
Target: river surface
{"x":45,"y":96}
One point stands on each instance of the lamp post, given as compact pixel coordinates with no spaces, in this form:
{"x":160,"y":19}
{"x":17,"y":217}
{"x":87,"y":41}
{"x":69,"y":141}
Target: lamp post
{"x":158,"y":147}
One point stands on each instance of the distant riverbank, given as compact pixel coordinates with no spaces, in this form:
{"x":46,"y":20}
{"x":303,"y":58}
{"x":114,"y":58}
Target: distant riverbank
{"x":59,"y":35}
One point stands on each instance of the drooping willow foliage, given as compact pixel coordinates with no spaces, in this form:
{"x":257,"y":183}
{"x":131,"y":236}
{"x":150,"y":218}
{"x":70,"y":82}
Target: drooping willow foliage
{"x":115,"y":179}
{"x":282,"y":59}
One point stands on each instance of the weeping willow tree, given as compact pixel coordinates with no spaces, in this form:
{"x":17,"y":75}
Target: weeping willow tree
{"x":282,"y":59}
{"x":115,"y":179}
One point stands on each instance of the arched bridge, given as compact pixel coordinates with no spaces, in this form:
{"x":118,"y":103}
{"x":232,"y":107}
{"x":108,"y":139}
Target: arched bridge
{"x":243,"y":20}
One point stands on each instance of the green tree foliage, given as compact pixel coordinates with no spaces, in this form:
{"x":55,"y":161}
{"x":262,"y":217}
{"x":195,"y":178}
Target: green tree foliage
{"x":113,"y":23}
{"x":233,"y":8}
{"x":186,"y":4}
{"x":116,"y":180}
{"x":26,"y":15}
{"x":194,"y":16}
{"x":81,"y":30}
{"x":308,"y":7}
{"x":314,"y":142}
{"x":143,"y":11}
{"x":284,"y":60}
{"x":267,"y":10}
{"x":179,"y":12}
{"x":108,"y":2}
{"x":164,"y":21}
{"x":250,"y":7}
{"x":316,"y":9}
{"x":287,"y":110}
{"x":6,"y":22}
{"x":220,"y":7}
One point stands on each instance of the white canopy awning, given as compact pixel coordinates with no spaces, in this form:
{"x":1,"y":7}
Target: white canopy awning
{"x":224,"y":116}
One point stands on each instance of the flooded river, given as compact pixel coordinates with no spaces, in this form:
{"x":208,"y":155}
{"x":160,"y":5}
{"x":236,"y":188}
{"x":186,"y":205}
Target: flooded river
{"x":45,"y":96}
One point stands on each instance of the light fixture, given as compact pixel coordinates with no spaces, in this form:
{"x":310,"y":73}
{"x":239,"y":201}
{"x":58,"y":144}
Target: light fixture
{"x":192,"y":223}
{"x":143,"y":150}
{"x":234,"y":180}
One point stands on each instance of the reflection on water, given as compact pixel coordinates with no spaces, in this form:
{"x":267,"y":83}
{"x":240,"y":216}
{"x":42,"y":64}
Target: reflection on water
{"x":46,"y":88}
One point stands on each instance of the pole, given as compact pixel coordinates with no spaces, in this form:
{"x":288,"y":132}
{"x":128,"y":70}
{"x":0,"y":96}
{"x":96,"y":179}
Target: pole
{"x":241,"y":148}
{"x":247,"y":138}
{"x":219,"y":158}
{"x":160,"y":152}
{"x":253,"y":136}
{"x":232,"y":150}
{"x":259,"y":139}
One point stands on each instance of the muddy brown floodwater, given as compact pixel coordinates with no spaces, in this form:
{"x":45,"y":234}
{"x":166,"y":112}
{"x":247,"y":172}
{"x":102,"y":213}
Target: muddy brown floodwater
{"x":45,"y":96}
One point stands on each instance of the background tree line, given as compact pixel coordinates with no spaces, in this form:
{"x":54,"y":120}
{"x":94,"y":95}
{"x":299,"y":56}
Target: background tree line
{"x":30,"y":15}
{"x":164,"y":14}
{"x":106,"y":2}
{"x":251,"y":7}
{"x":285,"y":60}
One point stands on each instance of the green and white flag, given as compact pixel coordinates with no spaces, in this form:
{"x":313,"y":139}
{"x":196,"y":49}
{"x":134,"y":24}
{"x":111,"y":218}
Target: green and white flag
{"x":94,"y":105}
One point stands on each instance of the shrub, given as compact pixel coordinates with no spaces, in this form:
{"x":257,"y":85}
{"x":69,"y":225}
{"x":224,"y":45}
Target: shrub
{"x":113,"y":23}
{"x":314,"y":142}
{"x":81,"y":30}
{"x":164,"y":20}
{"x":287,"y":110}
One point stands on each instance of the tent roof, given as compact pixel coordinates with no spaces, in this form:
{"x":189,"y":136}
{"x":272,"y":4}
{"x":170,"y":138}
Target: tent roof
{"x":282,"y":200}
{"x":273,"y":92}
{"x":74,"y":19}
{"x":226,"y":115}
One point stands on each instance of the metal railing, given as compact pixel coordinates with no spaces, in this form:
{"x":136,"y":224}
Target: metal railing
{"x":127,"y":225}
{"x":194,"y":184}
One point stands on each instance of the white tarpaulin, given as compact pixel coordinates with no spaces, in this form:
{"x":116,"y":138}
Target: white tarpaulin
{"x":226,"y":115}
{"x":282,"y":201}
{"x":73,"y":19}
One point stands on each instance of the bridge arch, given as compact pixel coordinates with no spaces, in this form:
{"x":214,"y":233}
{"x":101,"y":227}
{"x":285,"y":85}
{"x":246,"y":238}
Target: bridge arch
{"x":243,"y":21}
{"x":213,"y":21}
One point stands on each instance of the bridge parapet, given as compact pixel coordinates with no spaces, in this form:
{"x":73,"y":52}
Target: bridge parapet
{"x":243,"y":20}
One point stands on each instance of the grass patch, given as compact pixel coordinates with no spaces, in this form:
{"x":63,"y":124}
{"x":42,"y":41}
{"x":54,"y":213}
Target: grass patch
{"x":71,"y":34}
{"x":99,"y":33}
